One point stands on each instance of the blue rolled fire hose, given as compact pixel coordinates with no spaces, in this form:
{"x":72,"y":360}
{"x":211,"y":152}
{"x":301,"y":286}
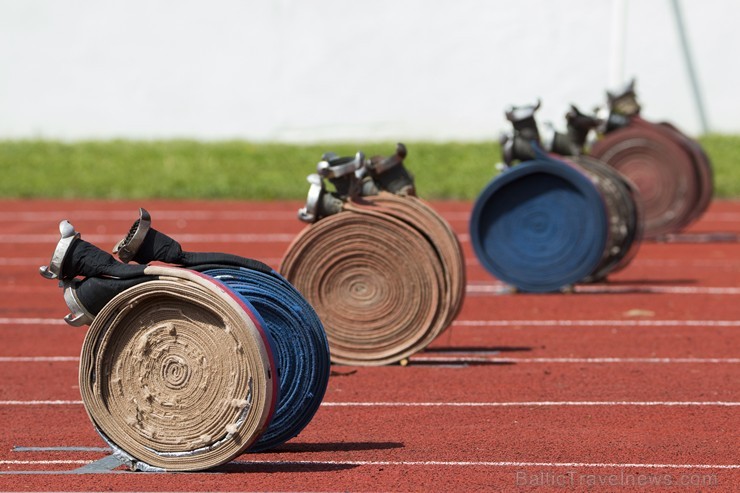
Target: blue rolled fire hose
{"x":540,"y":226}
{"x":300,"y":347}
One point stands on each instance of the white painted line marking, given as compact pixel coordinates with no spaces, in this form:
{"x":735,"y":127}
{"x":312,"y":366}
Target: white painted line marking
{"x":533,"y":404}
{"x":596,"y":289}
{"x":492,"y":464}
{"x":44,"y":462}
{"x":480,"y":359}
{"x":24,"y":261}
{"x":425,"y":463}
{"x":52,"y":239}
{"x":242,"y":215}
{"x":177,"y":215}
{"x":61,"y":449}
{"x":37,"y":359}
{"x":655,"y":262}
{"x":498,"y":288}
{"x":39,"y":261}
{"x":30,"y":238}
{"x":484,"y":323}
{"x":40,"y":403}
{"x":469,"y":261}
{"x":597,"y":323}
{"x":32,"y":321}
{"x":455,"y":404}
{"x":455,"y":359}
{"x":730,"y":217}
{"x":160,"y":215}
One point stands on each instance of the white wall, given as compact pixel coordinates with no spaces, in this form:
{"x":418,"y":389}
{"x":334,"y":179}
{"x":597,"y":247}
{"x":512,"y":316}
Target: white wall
{"x":318,"y":70}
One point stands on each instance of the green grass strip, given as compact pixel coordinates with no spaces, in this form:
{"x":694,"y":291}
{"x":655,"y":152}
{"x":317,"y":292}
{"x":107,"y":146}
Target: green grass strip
{"x":184,"y":169}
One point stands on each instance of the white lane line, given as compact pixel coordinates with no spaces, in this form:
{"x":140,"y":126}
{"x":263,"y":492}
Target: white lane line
{"x":37,"y":359}
{"x":32,"y":321}
{"x":41,"y":403}
{"x":730,"y":217}
{"x":175,"y":215}
{"x":535,"y":404}
{"x":39,"y":261}
{"x":31,"y":238}
{"x":481,"y":359}
{"x":458,"y":404}
{"x":498,"y":288}
{"x":52,"y":239}
{"x":455,"y":359}
{"x":596,"y":323}
{"x":638,"y":288}
{"x":654,"y":262}
{"x":491,"y":464}
{"x":24,"y":260}
{"x":435,"y":463}
{"x":469,"y":261}
{"x":160,"y":215}
{"x":237,"y":215}
{"x":44,"y":462}
{"x":16,"y":448}
{"x":484,"y":323}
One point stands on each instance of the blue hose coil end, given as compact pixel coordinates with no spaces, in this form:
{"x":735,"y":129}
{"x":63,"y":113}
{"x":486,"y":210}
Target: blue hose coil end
{"x":300,"y":348}
{"x":540,"y":226}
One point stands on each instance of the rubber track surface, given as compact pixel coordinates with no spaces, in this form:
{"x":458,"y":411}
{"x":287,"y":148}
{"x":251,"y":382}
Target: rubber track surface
{"x":630,"y":385}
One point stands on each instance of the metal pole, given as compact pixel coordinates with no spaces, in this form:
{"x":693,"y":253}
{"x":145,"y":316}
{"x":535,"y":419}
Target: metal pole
{"x":690,"y":66}
{"x":616,"y":62}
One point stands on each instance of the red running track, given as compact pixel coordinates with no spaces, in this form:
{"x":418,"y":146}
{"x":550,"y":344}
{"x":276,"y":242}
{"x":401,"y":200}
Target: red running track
{"x":633,"y":384}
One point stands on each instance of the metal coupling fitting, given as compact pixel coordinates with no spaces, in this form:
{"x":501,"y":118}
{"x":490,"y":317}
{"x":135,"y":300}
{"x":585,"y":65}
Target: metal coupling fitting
{"x":332,"y":166}
{"x":309,"y":213}
{"x":379,"y":166}
{"x":78,"y":315}
{"x":68,"y":236}
{"x":126,"y":248}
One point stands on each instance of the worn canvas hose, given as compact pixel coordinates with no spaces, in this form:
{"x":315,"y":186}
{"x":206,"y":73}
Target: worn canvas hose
{"x":376,"y":281}
{"x":424,"y":218}
{"x":673,"y":184}
{"x":298,"y":339}
{"x":624,"y":216}
{"x":703,"y":166}
{"x":540,"y":226}
{"x":299,"y":346}
{"x":177,"y":373}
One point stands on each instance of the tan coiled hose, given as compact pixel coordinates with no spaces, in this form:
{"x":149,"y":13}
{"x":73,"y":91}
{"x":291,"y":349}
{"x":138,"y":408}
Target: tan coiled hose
{"x":176,"y":373}
{"x":386,"y":275}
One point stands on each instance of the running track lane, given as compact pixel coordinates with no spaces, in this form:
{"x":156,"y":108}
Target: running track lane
{"x":584,"y":415}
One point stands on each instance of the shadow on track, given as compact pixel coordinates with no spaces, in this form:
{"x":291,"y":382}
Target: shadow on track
{"x":335,"y":447}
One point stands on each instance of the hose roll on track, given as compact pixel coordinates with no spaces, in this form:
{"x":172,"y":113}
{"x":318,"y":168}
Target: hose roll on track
{"x":540,"y":226}
{"x":298,"y":342}
{"x":670,"y":170}
{"x":177,"y":373}
{"x":383,"y":270}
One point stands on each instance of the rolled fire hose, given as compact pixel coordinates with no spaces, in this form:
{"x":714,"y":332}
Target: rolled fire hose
{"x":619,"y":194}
{"x":298,"y":336}
{"x":378,"y":282}
{"x":703,"y":166}
{"x":424,"y":218}
{"x":624,"y":216}
{"x":540,"y":226}
{"x":299,"y":345}
{"x":299,"y":341}
{"x":177,"y":373}
{"x":671,"y":185}
{"x":384,"y":271}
